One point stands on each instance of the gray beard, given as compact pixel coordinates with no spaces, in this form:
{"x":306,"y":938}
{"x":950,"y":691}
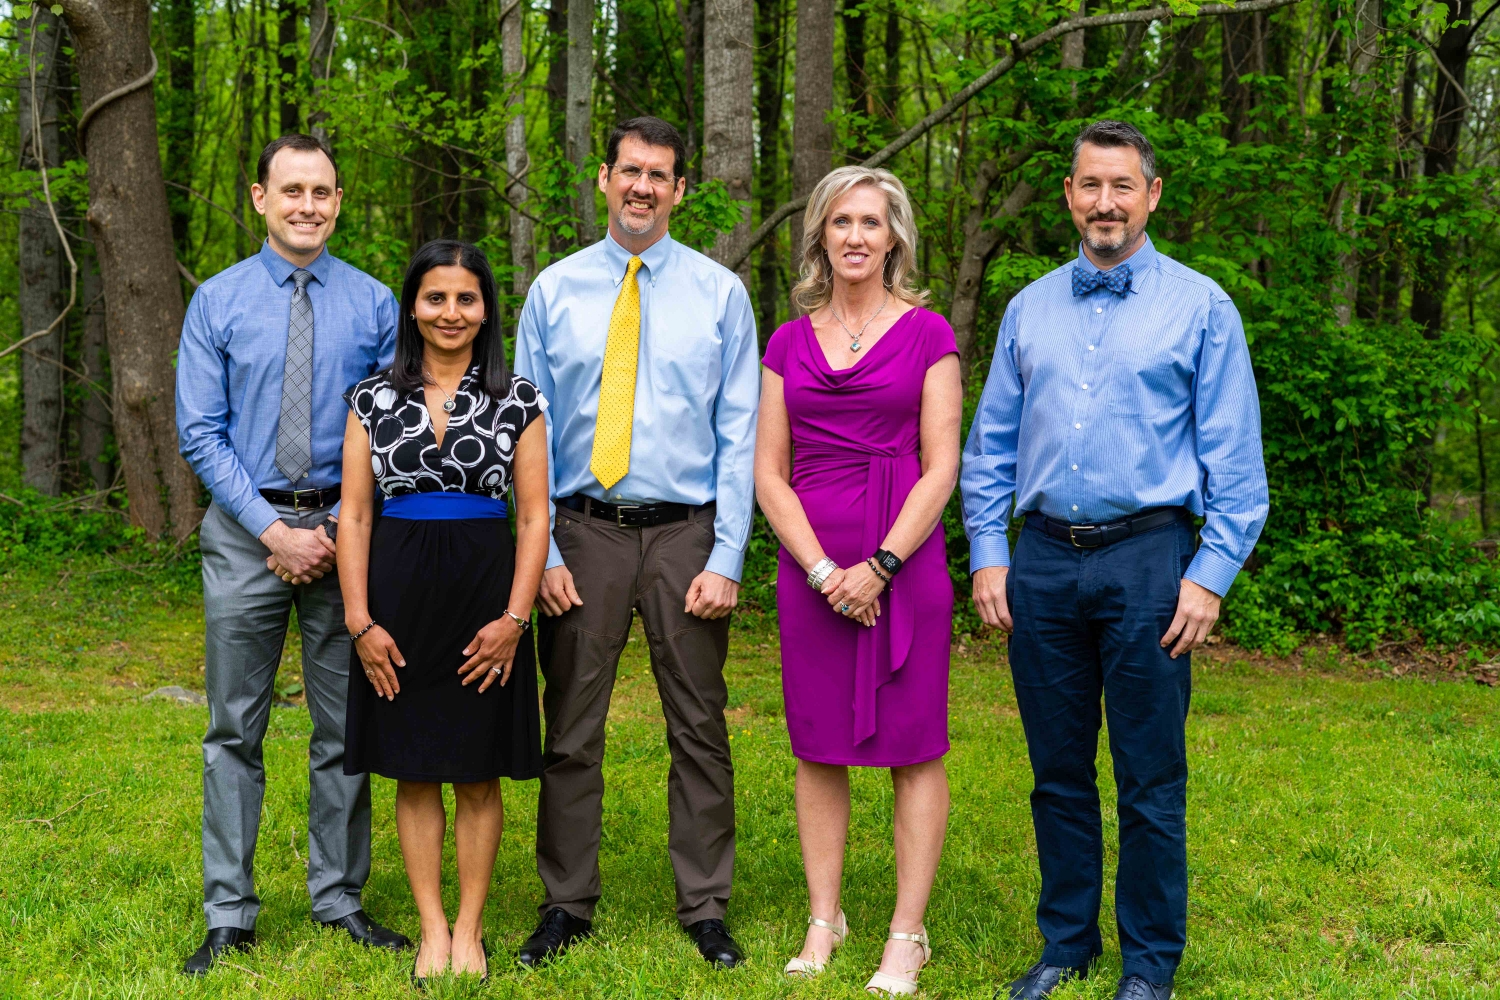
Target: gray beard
{"x":625,"y":225}
{"x":1111,"y":248}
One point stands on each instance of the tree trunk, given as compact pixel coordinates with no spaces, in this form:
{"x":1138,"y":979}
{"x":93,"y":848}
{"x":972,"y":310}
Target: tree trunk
{"x":133,"y":235}
{"x":181,"y":25}
{"x":1072,"y":50}
{"x":770,"y":88}
{"x":41,"y":262}
{"x":1364,"y":52}
{"x":319,"y":59}
{"x":286,"y":65}
{"x":1187,"y":81}
{"x":579,"y":145}
{"x":434,"y":174}
{"x":982,"y":237}
{"x":1449,"y":109}
{"x":855,"y":77}
{"x":1244,"y":52}
{"x":517,"y":160}
{"x":690,"y":18}
{"x":476,"y":196}
{"x":890,"y":87}
{"x":729,"y":112}
{"x":812,"y":103}
{"x":93,"y":422}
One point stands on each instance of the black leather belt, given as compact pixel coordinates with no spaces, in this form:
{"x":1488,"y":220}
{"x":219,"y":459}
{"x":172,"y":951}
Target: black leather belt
{"x":303,"y":499}
{"x":643,"y":515}
{"x":1094,"y":536}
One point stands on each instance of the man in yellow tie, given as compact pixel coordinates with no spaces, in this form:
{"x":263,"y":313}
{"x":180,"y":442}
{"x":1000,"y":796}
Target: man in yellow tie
{"x":647,"y":355}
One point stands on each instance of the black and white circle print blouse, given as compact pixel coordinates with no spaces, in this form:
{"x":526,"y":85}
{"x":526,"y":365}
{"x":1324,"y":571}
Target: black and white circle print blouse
{"x":478,"y":446}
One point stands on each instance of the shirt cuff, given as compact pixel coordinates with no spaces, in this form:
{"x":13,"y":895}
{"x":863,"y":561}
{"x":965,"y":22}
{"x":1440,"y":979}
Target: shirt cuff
{"x":1212,"y":571}
{"x":987,"y":551}
{"x":554,"y":554}
{"x":726,"y":562}
{"x":257,"y":516}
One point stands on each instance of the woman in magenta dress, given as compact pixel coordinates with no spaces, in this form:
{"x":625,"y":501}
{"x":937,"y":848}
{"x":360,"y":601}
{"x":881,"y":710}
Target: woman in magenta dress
{"x":857,"y":454}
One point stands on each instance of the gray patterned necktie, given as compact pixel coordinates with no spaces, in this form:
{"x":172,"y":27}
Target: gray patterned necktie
{"x":294,"y":430}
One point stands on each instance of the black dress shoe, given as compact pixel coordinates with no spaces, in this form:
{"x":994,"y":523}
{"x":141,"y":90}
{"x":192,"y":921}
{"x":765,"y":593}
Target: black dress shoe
{"x":1139,"y":988}
{"x":1040,"y":980}
{"x":553,"y":936}
{"x":368,"y":933}
{"x":218,"y":941}
{"x":714,"y":943}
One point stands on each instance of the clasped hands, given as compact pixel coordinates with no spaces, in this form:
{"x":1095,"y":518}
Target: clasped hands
{"x":859,"y":589}
{"x":709,"y":596}
{"x":491,"y":655}
{"x":298,"y":555}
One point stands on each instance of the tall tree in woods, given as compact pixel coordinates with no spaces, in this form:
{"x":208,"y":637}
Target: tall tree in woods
{"x":890,"y":86}
{"x":132,"y":232}
{"x":1244,"y":53}
{"x":93,"y":364}
{"x":41,"y":263}
{"x":475,"y":205}
{"x":435,"y":175}
{"x":770,"y":90}
{"x":181,"y":22}
{"x":286,"y":64}
{"x":855,"y":77}
{"x":320,"y":32}
{"x":690,"y":20}
{"x":580,"y":116}
{"x":812,"y":104}
{"x":1363,"y":54}
{"x":517,"y":160}
{"x":729,"y":111}
{"x":1450,"y":108}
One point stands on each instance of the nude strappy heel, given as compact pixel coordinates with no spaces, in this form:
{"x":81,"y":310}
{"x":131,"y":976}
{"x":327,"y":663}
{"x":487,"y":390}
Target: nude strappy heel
{"x":890,"y":985}
{"x":811,"y":967}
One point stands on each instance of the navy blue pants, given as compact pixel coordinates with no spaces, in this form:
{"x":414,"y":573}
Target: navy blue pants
{"x":1089,"y":622}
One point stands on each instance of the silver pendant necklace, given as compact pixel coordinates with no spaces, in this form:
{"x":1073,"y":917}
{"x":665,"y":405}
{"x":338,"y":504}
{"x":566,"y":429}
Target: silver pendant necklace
{"x":854,"y":338}
{"x":448,"y":403}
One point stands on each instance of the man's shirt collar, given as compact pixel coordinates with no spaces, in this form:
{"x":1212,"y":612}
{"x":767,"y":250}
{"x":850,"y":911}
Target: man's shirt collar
{"x":653,"y":258}
{"x":281,"y":269}
{"x":1143,"y":260}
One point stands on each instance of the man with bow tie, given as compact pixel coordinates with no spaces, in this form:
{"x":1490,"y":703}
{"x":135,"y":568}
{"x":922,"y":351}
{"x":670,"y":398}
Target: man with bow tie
{"x":1120,"y":407}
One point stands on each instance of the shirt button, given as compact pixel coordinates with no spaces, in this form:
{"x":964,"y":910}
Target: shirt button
{"x":1085,"y":385}
{"x":1091,"y":347}
{"x":1075,"y":506}
{"x":1078,"y":427}
{"x":1075,"y":468}
{"x":1097,"y":309}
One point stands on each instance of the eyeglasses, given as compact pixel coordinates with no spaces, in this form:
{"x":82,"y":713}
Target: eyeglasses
{"x":632,"y":173}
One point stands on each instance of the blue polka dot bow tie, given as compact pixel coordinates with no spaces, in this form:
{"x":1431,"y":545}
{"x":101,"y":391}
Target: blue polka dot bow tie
{"x":1117,"y":279}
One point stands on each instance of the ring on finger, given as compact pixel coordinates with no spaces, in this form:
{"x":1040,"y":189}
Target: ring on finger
{"x":494,"y":670}
{"x":843,"y":609}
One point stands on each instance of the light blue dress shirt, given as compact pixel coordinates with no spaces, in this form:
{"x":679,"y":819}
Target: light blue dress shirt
{"x":1098,"y":406}
{"x":696,"y":390}
{"x":231,"y":361}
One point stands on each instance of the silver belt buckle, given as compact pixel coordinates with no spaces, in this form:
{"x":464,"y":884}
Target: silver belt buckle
{"x":620,"y":510}
{"x":1079,"y":527}
{"x":297,"y":496}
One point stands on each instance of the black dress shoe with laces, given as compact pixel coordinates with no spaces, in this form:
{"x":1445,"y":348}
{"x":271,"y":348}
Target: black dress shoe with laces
{"x":714,"y":943}
{"x":1040,"y":980}
{"x":1139,"y":988}
{"x":556,"y":933}
{"x":368,"y":933}
{"x":218,"y":941}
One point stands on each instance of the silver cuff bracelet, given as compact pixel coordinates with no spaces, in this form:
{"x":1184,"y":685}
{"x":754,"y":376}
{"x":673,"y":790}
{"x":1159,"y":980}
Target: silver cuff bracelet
{"x":820,"y":572}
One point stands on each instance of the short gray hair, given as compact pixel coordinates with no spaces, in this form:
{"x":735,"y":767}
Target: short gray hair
{"x":1112,"y":135}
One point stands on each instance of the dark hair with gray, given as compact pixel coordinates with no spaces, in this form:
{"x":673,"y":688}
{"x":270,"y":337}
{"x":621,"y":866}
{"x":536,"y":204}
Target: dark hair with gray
{"x":293,"y":140}
{"x":1112,"y":135}
{"x":653,"y":132}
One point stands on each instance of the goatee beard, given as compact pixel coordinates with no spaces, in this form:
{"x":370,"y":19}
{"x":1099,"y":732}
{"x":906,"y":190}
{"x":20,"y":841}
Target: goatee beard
{"x":625,"y":224}
{"x":1109,"y":248}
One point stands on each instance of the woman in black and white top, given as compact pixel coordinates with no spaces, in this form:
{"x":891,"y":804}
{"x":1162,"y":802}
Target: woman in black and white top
{"x":437,"y":595}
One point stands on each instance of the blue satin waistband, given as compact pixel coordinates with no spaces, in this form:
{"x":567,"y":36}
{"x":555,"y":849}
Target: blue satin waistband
{"x":442,"y":506}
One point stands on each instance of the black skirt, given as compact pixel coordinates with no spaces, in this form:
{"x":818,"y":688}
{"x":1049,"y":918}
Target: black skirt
{"x":433,"y":585}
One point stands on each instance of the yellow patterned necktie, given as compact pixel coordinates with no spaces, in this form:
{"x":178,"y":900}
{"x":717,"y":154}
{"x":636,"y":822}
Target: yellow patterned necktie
{"x":611,"y":458}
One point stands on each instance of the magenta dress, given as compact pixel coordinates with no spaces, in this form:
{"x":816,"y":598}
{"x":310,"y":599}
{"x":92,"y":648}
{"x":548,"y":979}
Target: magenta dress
{"x":876,"y":697}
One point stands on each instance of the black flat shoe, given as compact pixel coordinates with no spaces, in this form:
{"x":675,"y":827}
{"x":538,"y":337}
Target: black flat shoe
{"x":1040,"y":980}
{"x":557,"y":932}
{"x":217,"y":942}
{"x":714,"y":943}
{"x":368,"y":933}
{"x":1140,"y":988}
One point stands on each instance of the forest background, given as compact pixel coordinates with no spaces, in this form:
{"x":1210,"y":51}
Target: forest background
{"x":1331,"y":163}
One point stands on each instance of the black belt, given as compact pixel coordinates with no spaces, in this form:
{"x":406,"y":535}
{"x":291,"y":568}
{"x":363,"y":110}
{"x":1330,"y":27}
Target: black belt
{"x":1093,"y":536}
{"x":303,"y":499}
{"x":631,"y":515}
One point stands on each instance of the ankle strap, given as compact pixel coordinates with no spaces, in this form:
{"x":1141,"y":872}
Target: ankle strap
{"x":837,"y":928}
{"x":920,"y":937}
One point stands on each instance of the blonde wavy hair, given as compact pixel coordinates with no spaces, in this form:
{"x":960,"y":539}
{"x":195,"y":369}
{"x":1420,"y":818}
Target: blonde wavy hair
{"x":815,"y":288}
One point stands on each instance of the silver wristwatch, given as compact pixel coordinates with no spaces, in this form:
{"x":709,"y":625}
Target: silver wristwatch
{"x":820,"y":572}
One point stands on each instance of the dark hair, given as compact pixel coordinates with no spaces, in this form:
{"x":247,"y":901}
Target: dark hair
{"x":1112,"y":135}
{"x":293,"y":140}
{"x":489,"y":348}
{"x":653,"y":132}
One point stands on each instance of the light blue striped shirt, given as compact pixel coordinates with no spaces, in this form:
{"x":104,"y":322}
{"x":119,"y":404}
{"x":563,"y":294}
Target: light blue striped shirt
{"x":696,"y":391}
{"x":1099,"y":406}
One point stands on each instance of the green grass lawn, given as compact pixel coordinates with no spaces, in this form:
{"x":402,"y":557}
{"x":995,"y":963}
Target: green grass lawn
{"x":1342,"y":832}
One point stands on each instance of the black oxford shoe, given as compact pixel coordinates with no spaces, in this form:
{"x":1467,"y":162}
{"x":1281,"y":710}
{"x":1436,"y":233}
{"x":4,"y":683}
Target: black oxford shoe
{"x":1040,"y":980}
{"x":1138,"y":988}
{"x":556,"y":933}
{"x":714,"y":943}
{"x":218,"y":941}
{"x":368,"y":933}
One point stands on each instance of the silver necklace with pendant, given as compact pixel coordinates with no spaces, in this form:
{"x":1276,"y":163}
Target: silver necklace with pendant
{"x":448,"y":403}
{"x":854,"y":338}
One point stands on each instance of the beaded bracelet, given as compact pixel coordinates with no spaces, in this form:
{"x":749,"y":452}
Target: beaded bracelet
{"x":356,"y":635}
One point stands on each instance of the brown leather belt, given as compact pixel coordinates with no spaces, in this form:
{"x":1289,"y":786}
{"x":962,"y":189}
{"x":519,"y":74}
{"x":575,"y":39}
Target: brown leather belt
{"x":643,"y":515}
{"x":303,"y":499}
{"x":1094,"y":536}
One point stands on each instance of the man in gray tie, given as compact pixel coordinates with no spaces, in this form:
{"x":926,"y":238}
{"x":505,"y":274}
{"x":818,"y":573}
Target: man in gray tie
{"x":268,"y":348}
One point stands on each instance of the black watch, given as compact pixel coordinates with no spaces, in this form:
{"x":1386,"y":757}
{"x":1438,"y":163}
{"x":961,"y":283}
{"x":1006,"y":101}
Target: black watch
{"x":888,"y":560}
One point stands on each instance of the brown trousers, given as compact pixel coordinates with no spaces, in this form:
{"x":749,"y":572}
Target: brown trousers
{"x":648,"y":570}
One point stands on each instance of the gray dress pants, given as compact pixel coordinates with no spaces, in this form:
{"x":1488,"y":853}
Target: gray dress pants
{"x":247,"y":608}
